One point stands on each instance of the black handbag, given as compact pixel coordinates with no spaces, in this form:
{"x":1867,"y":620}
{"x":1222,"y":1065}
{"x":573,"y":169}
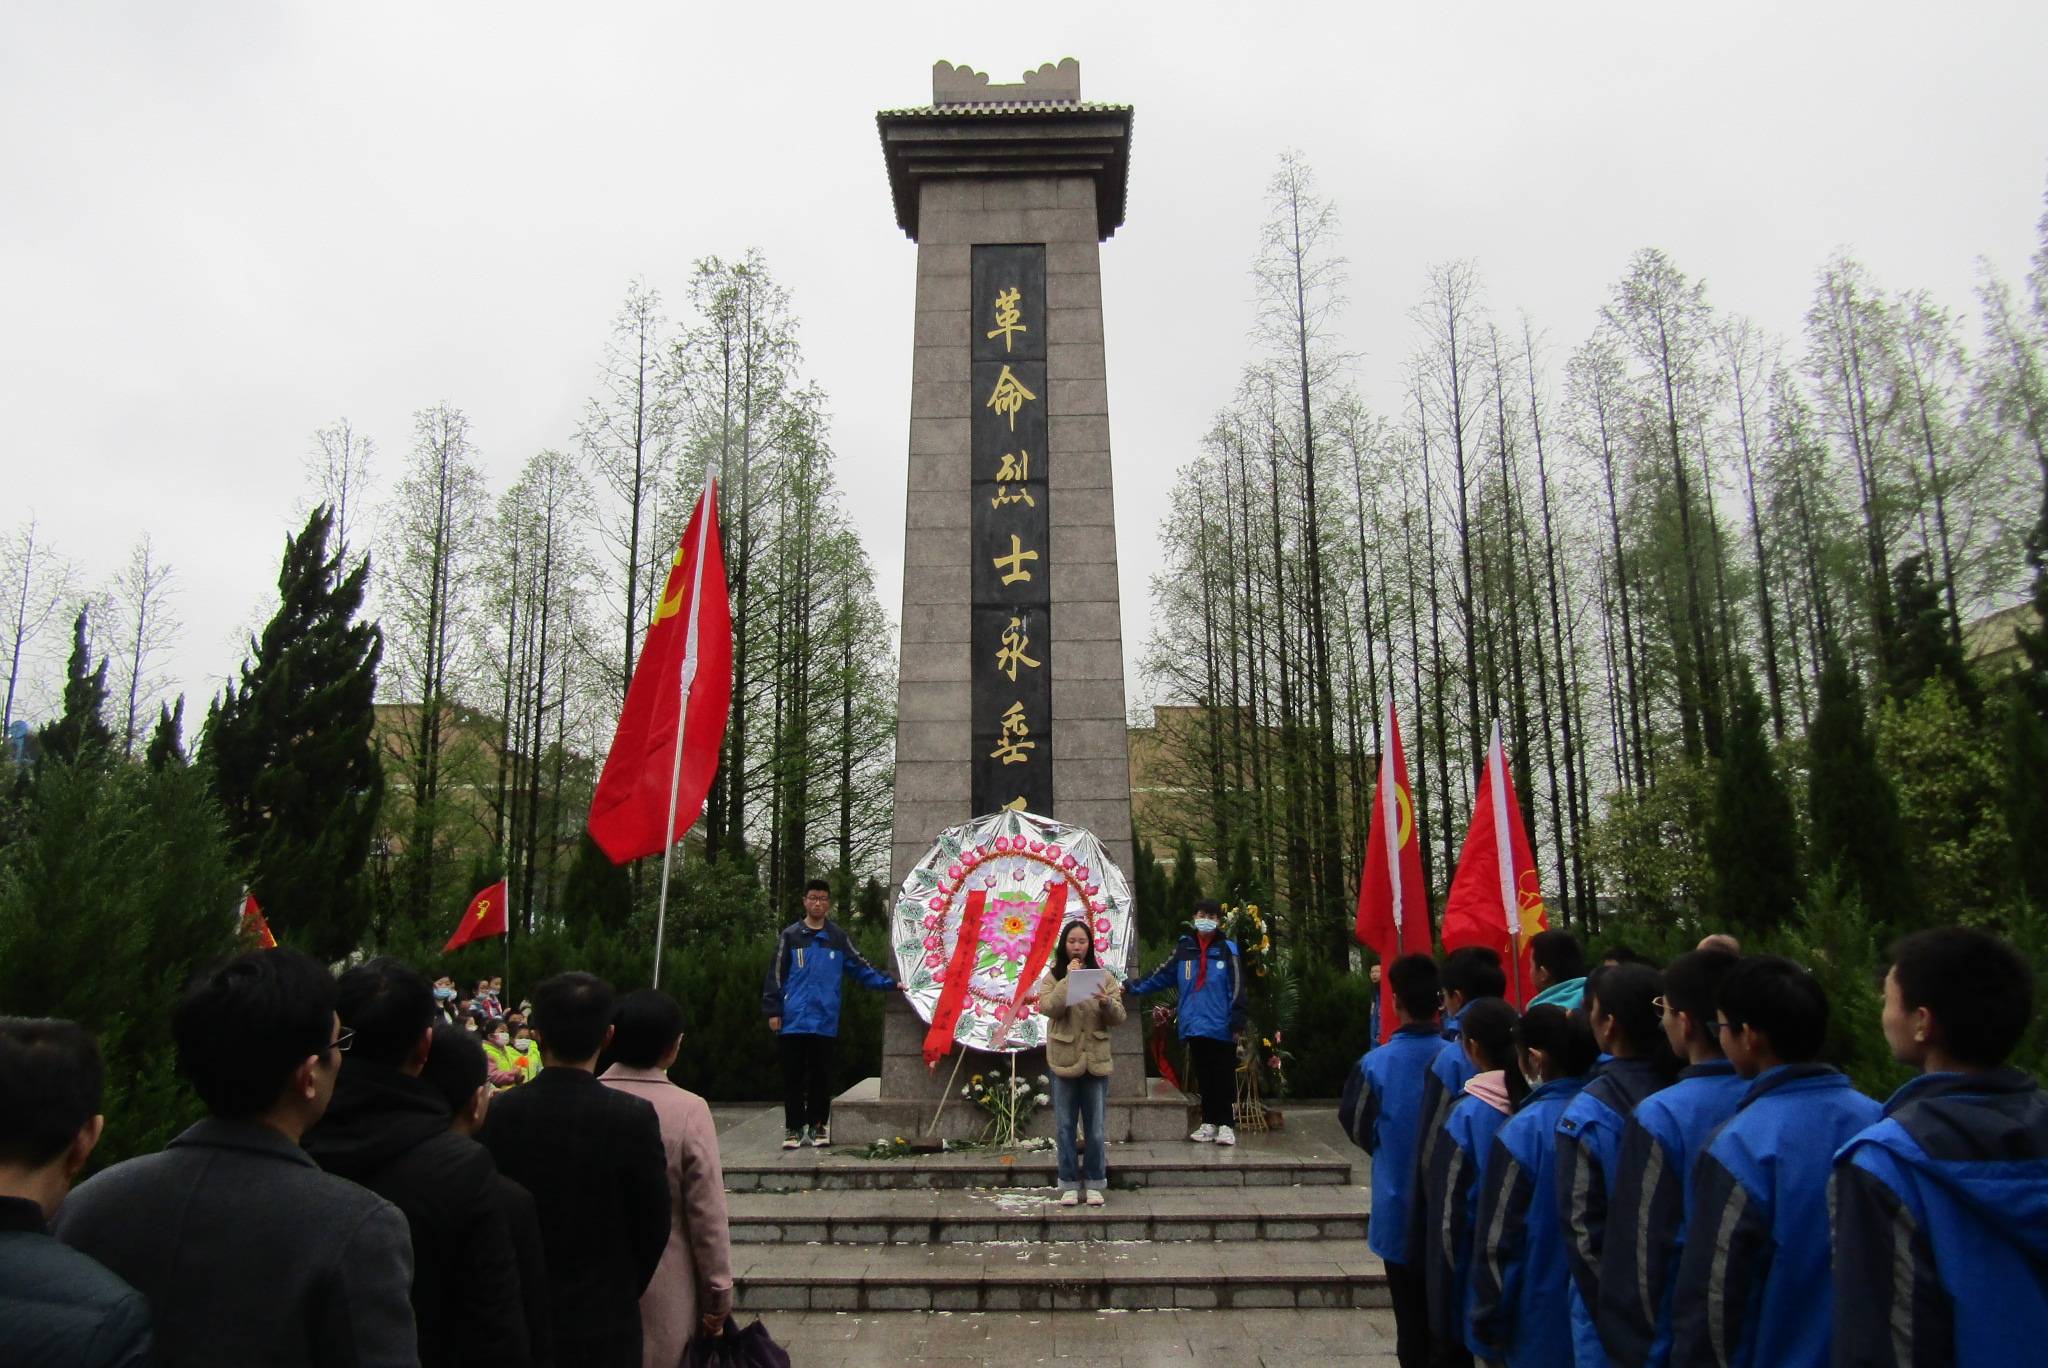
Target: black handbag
{"x":736,"y":1348}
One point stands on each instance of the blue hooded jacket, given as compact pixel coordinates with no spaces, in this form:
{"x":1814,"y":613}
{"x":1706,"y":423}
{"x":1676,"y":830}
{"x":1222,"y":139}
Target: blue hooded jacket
{"x":1753,"y":1288}
{"x":1650,"y":1206}
{"x":1381,"y":1113}
{"x":1216,"y":1010}
{"x":1941,"y":1226}
{"x":1517,"y":1313}
{"x":803,"y":983}
{"x":1450,"y":1197}
{"x":1442,"y":1085}
{"x":1588,"y":1150}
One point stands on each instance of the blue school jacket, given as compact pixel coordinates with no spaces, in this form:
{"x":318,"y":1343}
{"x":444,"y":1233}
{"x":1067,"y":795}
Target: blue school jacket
{"x":1648,"y":1209}
{"x":803,"y":983}
{"x":1516,"y":1312}
{"x":1753,"y":1283}
{"x":1450,"y":1197}
{"x":1216,"y":1010}
{"x":1443,"y":1085}
{"x":1588,"y":1148}
{"x":1941,"y":1226}
{"x":1381,"y":1112}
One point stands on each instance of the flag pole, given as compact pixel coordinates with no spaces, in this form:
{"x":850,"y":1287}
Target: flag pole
{"x":1504,"y":855}
{"x":688,"y":678}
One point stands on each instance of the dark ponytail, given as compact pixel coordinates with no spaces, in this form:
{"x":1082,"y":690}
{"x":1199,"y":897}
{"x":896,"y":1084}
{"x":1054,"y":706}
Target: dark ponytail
{"x":1489,"y":1024}
{"x":1628,"y":993}
{"x":1566,"y":1039}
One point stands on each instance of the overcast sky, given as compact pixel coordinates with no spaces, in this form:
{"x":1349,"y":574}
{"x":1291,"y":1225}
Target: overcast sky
{"x":223,"y":225}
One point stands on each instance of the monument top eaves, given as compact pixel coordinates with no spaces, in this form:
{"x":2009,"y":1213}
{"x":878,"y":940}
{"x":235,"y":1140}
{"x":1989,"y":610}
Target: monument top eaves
{"x":1054,"y":83}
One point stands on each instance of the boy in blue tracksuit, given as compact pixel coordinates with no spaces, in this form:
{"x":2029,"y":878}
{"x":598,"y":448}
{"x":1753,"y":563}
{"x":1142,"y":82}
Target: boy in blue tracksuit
{"x":1207,"y":973}
{"x":1470,"y":974}
{"x":1517,"y":1308}
{"x":1648,"y":1211}
{"x":801,"y":1001}
{"x":1621,"y":1008}
{"x":1753,"y":1283}
{"x":1449,"y":1186}
{"x":1381,"y":1112}
{"x":1941,"y":1208}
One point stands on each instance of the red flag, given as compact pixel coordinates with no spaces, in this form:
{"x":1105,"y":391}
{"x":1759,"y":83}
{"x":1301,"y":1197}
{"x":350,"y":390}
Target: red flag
{"x":688,"y":649}
{"x":1393,"y":905}
{"x":1496,"y":898}
{"x":255,"y":930}
{"x":484,"y":918}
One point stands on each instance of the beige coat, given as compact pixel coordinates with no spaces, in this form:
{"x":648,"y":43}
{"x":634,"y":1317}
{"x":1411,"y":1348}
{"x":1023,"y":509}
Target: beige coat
{"x":695,"y":1273}
{"x":1077,"y":1037}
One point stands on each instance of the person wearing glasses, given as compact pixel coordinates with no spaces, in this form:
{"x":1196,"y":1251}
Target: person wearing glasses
{"x":1648,"y":1209}
{"x":247,"y":1252}
{"x":1753,"y":1282}
{"x":389,"y":1130}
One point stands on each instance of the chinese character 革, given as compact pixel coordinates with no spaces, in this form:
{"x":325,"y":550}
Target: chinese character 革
{"x":1007,"y":315}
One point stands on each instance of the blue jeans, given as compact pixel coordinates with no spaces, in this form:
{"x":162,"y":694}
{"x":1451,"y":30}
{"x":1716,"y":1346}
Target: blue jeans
{"x":1079,"y":1099}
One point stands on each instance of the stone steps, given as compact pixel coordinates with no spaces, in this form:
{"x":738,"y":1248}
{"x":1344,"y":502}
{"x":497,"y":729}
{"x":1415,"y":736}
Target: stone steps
{"x":1064,"y":1276}
{"x":944,"y":1217}
{"x":1133,"y":1166}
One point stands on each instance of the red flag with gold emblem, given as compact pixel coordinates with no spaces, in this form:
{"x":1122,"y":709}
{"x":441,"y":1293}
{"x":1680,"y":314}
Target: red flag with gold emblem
{"x":255,"y":929}
{"x":1393,"y":905}
{"x":1496,"y":897}
{"x":654,"y":783}
{"x":484,"y":918}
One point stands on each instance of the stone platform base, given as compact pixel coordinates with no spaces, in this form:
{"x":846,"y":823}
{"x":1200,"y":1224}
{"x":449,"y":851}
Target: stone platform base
{"x":862,"y":1113}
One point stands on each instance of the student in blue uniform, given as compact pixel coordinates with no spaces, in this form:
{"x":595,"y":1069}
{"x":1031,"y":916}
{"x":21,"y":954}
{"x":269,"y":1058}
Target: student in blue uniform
{"x":1517,"y":1312}
{"x":1941,"y":1208}
{"x":1450,"y":1184}
{"x":1621,"y":1008}
{"x":1557,"y":969}
{"x":1207,"y":973}
{"x":1753,"y":1286}
{"x":1647,"y":1209}
{"x":1381,"y":1112}
{"x":1470,"y":974}
{"x":801,"y":1002}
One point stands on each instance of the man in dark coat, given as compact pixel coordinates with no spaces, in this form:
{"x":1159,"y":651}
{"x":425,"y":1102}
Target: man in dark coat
{"x":389,"y":1131}
{"x":58,"y":1308}
{"x":247,"y":1252}
{"x":592,"y":1158}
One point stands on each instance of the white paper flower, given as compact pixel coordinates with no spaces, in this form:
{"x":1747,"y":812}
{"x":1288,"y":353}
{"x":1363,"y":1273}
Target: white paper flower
{"x":1041,"y":1099}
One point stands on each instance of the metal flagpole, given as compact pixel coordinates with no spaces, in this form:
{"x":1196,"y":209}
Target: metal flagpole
{"x":1504,"y":857}
{"x":689,"y":677}
{"x":1390,"y":821}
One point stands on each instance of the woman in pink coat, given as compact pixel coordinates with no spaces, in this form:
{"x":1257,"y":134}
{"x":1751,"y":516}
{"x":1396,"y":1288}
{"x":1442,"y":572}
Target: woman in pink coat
{"x":692,"y":1286}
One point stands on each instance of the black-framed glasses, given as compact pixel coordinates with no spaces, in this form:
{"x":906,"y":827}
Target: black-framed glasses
{"x":344,"y":1040}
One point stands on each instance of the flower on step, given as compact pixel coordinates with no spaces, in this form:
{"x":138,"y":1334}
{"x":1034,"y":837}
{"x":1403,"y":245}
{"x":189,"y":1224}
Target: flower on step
{"x":1041,"y":1099}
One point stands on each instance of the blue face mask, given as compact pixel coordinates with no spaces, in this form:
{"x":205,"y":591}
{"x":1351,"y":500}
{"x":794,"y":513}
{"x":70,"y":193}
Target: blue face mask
{"x":445,"y":994}
{"x":1205,"y":926}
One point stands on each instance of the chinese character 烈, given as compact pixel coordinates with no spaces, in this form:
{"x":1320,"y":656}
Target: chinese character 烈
{"x":1009,"y":396}
{"x":1007,"y":315}
{"x":1013,"y":749}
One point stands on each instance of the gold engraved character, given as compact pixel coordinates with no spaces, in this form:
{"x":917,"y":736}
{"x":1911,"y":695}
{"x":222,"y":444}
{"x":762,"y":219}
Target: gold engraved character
{"x":1012,"y":653}
{"x":1007,"y":314}
{"x":1009,"y":396}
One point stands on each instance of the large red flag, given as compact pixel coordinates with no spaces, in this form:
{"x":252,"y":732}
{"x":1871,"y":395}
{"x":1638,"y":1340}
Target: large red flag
{"x":1496,"y":898}
{"x":484,"y":918}
{"x":255,"y":929}
{"x":1393,"y":905}
{"x":688,"y":649}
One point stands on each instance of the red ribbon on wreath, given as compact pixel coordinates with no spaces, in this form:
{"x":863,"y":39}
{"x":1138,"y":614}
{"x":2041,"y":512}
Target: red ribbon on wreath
{"x":938,"y":1041}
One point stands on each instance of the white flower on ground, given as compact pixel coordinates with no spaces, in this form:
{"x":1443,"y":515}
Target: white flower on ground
{"x":1041,"y":1099}
{"x":964,"y":1092}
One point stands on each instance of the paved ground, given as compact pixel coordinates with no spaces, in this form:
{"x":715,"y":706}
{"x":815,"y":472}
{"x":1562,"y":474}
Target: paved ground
{"x":1101,"y":1339}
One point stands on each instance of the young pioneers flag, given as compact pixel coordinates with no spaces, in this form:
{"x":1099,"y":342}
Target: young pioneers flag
{"x":484,"y":918}
{"x":255,"y":929}
{"x":1393,"y":906}
{"x":1496,"y":898}
{"x":688,"y":650}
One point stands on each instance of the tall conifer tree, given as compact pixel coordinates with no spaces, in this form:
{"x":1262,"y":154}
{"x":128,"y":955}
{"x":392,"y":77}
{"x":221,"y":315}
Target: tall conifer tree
{"x":291,"y":756}
{"x":1752,"y":835}
{"x":1854,"y":812}
{"x":82,"y":727}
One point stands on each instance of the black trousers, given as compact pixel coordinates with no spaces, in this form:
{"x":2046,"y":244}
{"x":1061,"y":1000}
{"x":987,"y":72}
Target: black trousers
{"x":1411,"y":1315}
{"x":1216,"y":1075}
{"x":806,"y":1080}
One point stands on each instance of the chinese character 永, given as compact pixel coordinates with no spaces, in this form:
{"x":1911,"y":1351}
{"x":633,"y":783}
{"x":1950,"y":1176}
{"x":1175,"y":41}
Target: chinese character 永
{"x":1007,"y":315}
{"x":1009,"y":396}
{"x":1011,"y":653}
{"x":1015,"y":561}
{"x":1013,"y":748}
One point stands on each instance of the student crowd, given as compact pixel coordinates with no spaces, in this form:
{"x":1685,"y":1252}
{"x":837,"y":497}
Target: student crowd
{"x":1652,"y":1167}
{"x":374,"y":1185}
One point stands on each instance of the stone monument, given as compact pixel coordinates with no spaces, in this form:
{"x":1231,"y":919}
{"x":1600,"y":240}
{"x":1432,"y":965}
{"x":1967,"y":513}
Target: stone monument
{"x":1011,"y":687}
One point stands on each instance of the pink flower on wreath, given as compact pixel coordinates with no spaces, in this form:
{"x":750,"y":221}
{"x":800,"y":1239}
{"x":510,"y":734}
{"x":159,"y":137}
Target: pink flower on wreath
{"x":1274,"y":1063}
{"x":932,"y":921}
{"x":1102,"y":925}
{"x":932,"y":942}
{"x":1010,"y":931}
{"x":933,"y":961}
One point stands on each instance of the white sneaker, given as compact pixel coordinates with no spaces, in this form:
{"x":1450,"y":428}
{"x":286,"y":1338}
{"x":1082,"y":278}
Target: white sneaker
{"x":1204,"y":1133}
{"x":1070,"y":1197}
{"x":1225,"y":1136}
{"x":1094,"y":1196}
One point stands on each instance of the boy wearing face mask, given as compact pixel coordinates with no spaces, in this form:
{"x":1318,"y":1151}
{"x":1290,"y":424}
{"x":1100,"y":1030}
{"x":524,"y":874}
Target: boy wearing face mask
{"x":1206,"y":972}
{"x":503,"y":1059}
